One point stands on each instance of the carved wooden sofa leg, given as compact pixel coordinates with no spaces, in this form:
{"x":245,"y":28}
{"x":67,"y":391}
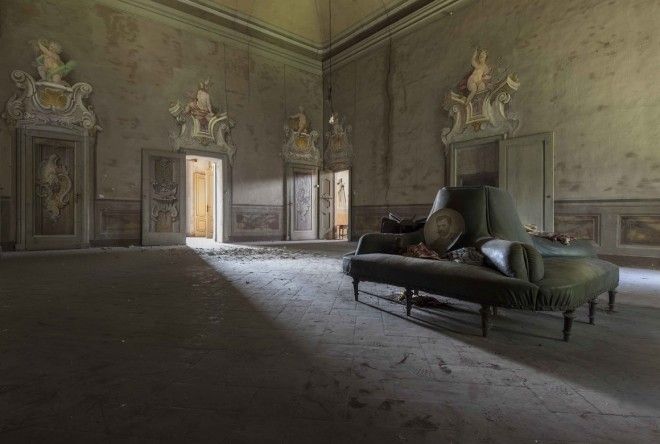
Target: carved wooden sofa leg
{"x":592,"y":310}
{"x":568,"y":323}
{"x":485,"y":319}
{"x":356,"y":282}
{"x":409,"y":294}
{"x":612,"y":294}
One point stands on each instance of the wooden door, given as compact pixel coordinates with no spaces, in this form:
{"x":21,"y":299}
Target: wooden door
{"x":302,"y":195}
{"x":529,"y":177}
{"x":163,"y":198}
{"x":200,"y":204}
{"x":210,"y":200}
{"x":54,"y":191}
{"x":326,"y":205}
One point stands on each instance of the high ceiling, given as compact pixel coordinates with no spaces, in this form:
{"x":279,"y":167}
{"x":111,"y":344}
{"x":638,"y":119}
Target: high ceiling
{"x":308,"y":20}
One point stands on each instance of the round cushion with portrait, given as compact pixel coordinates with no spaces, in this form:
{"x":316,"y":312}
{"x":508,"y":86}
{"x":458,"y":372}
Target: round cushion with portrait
{"x":443,"y":229}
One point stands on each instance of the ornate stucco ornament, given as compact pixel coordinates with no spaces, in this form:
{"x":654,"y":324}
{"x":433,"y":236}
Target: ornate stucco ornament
{"x":300,"y":141}
{"x":200,"y":126}
{"x":338,"y":150}
{"x":50,"y":100}
{"x":48,"y":103}
{"x":165,"y":206}
{"x":480,"y":108}
{"x":54,"y":185}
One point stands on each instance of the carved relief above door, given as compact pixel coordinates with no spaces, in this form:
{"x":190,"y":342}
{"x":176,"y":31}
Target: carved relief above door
{"x":53,"y":130}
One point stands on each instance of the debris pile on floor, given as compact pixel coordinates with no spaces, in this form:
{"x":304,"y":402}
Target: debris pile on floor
{"x":243,"y":253}
{"x":424,"y":301}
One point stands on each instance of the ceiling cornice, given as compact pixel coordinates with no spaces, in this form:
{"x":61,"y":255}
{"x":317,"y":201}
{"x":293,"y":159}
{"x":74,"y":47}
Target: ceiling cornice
{"x":255,"y":28}
{"x":374,"y":37}
{"x":158,"y":11}
{"x":200,"y":17}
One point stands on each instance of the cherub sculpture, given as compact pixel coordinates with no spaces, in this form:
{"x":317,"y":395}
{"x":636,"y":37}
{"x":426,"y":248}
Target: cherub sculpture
{"x":199,"y":104}
{"x":300,"y":118}
{"x":481,"y":74}
{"x":50,"y":66}
{"x":336,"y":123}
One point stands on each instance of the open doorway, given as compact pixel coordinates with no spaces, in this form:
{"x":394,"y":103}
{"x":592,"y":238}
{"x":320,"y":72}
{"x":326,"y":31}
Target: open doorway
{"x":335,"y":205}
{"x":204,"y":212}
{"x":342,"y":205}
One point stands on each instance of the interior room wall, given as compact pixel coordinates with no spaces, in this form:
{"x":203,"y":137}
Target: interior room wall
{"x":137,"y":66}
{"x":584,"y":73}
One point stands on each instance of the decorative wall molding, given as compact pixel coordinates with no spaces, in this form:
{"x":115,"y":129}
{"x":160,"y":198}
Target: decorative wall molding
{"x":50,"y":104}
{"x":369,"y":24}
{"x":338,"y":153}
{"x":349,"y":49}
{"x":117,"y":220}
{"x":621,"y":227}
{"x":481,"y":113}
{"x":213,"y":21}
{"x":300,"y":141}
{"x":200,"y":126}
{"x":581,"y":226}
{"x":189,"y":22}
{"x":257,"y":222}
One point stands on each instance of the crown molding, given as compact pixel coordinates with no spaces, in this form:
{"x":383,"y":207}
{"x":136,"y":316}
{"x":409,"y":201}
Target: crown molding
{"x":224,"y":16}
{"x":211,"y":21}
{"x":348,"y":50}
{"x":251,"y":25}
{"x":175,"y":18}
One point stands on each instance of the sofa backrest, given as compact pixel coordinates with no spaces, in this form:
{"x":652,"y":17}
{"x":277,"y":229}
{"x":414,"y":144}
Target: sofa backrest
{"x":503,"y":219}
{"x":488,"y":212}
{"x":470,"y":202}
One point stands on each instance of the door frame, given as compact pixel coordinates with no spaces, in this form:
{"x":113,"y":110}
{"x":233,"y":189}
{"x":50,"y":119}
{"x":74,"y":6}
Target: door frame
{"x":23,"y":136}
{"x":227,"y":198}
{"x":288,"y":198}
{"x":473,"y":143}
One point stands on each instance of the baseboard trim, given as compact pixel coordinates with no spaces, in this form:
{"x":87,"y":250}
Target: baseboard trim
{"x":256,"y":238}
{"x":115,"y":242}
{"x":632,"y":261}
{"x":8,"y":246}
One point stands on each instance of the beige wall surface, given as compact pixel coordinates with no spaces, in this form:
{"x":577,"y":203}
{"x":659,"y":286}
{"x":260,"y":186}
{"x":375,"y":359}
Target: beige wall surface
{"x":587,"y":72}
{"x":137,"y":67}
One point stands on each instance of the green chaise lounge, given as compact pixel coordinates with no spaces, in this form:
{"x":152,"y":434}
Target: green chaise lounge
{"x":526,"y":272}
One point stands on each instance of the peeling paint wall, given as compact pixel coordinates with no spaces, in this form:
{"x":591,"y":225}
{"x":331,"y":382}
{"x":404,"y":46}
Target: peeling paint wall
{"x":137,"y":66}
{"x":587,"y":70}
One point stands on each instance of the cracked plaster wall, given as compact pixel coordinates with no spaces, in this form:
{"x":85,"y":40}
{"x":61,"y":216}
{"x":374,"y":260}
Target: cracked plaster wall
{"x":587,"y":70}
{"x":137,"y":66}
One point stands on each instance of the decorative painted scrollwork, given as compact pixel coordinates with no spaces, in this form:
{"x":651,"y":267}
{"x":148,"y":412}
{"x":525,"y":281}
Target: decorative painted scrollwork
{"x":339,"y":149}
{"x":49,"y":103}
{"x":300,"y":141}
{"x":480,"y":108}
{"x":200,"y":126}
{"x":54,"y":185}
{"x":165,"y":200}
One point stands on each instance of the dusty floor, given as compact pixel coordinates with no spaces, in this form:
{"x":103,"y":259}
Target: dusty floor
{"x":254,"y":344}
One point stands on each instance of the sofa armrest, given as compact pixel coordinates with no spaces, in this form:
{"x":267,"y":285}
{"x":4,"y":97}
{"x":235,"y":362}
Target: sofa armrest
{"x":513,"y":259}
{"x":577,"y":248}
{"x":387,"y":243}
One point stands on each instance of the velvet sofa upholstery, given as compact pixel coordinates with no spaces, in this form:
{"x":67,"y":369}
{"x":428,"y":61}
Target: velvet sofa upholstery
{"x":525,"y":272}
